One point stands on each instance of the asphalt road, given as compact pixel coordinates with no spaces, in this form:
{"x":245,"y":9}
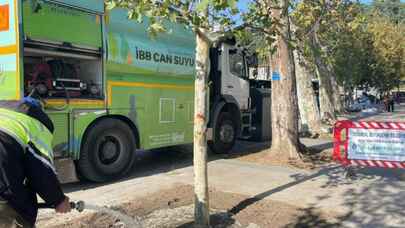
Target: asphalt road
{"x":397,"y":115}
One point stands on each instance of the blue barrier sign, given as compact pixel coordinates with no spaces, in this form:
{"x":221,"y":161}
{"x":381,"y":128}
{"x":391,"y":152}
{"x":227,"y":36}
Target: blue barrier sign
{"x":275,"y":76}
{"x":376,"y":144}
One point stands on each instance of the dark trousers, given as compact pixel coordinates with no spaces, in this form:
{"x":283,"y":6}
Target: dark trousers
{"x":389,"y":107}
{"x":9,"y":218}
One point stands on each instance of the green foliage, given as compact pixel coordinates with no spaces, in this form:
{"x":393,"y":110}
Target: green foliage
{"x":365,"y":45}
{"x":392,"y":9}
{"x":389,"y":50}
{"x":203,"y":14}
{"x":322,"y":28}
{"x":259,"y":26}
{"x":255,"y":42}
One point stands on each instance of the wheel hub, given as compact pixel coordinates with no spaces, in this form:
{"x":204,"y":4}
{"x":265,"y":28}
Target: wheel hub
{"x":109,"y":150}
{"x":227,"y":133}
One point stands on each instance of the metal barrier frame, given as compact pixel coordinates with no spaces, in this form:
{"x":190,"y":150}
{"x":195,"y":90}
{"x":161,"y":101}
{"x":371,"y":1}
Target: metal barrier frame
{"x":344,"y":126}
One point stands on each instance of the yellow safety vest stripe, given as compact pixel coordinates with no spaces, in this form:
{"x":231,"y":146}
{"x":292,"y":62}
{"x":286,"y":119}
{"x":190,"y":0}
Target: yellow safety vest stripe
{"x":27,"y":130}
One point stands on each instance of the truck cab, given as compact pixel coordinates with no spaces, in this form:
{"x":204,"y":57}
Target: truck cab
{"x":239,"y":105}
{"x":234,"y":75}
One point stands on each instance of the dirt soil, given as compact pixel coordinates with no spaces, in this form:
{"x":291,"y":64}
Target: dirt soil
{"x":173,"y":208}
{"x":311,"y":159}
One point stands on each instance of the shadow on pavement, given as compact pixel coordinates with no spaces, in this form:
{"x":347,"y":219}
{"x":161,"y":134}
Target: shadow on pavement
{"x":298,"y":180}
{"x":374,"y":204}
{"x":311,"y":217}
{"x":321,"y":147}
{"x":168,"y":159}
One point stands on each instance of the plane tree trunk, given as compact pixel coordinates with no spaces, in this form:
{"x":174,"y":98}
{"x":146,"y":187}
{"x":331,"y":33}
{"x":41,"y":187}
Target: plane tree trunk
{"x":330,"y":103}
{"x":307,"y":102}
{"x":339,"y":107}
{"x":326,"y":100}
{"x":285,"y":135}
{"x":201,"y":201}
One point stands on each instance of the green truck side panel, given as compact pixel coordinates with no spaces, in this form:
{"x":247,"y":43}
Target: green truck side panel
{"x":61,"y":136}
{"x":133,"y":115}
{"x":162,"y":115}
{"x":153,"y":77}
{"x":71,"y":124}
{"x":167,"y":54}
{"x":53,"y":22}
{"x":91,"y":5}
{"x":81,"y":119}
{"x":8,"y":85}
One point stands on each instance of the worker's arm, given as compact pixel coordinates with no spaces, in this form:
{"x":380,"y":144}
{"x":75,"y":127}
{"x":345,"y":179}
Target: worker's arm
{"x":42,"y":178}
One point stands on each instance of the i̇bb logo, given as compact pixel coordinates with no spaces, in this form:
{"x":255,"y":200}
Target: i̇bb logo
{"x":4,"y":18}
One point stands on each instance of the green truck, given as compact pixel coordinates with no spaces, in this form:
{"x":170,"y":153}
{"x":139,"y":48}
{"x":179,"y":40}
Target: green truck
{"x":111,"y":90}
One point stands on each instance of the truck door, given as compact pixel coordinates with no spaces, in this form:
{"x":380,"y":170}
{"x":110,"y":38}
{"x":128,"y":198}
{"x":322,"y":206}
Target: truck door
{"x":10,"y":75}
{"x":233,"y":80}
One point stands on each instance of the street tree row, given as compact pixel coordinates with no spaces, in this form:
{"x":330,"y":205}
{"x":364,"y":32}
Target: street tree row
{"x":339,"y":42}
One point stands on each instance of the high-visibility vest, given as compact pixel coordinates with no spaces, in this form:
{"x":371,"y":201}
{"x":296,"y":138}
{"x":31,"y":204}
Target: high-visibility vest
{"x":25,"y":130}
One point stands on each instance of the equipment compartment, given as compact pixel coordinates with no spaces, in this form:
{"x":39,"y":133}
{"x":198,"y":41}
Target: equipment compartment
{"x":57,"y":73}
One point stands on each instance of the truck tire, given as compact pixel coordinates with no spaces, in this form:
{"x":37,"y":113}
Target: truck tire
{"x":108,"y":151}
{"x":225,"y":134}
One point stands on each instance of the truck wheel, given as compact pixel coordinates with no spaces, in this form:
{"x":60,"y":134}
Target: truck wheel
{"x":108,"y":151}
{"x":225,"y":134}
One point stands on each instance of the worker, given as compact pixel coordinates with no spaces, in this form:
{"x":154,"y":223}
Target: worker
{"x":26,"y":164}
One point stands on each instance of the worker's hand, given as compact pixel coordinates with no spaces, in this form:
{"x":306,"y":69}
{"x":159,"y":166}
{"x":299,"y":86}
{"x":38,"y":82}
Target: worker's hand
{"x":63,"y":207}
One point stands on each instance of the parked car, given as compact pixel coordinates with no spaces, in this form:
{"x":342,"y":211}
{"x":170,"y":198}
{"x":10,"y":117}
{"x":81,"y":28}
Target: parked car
{"x":360,"y":104}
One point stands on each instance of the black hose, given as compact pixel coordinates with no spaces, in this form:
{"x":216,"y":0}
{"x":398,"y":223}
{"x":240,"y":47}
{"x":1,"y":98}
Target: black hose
{"x":78,"y":206}
{"x":51,"y":206}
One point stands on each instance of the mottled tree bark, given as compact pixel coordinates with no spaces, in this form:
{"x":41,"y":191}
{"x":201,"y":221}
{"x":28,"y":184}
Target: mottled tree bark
{"x":337,"y":100}
{"x":326,"y":90}
{"x":201,"y":202}
{"x":308,"y":107}
{"x":285,"y":137}
{"x":326,"y":85}
{"x":330,"y":101}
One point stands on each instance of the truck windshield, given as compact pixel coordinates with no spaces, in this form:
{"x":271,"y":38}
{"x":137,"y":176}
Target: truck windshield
{"x":236,"y":63}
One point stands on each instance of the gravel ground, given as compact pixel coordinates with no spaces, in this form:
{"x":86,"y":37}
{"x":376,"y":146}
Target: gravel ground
{"x":173,"y":208}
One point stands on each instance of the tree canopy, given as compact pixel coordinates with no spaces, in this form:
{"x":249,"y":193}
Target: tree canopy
{"x":204,"y":14}
{"x":365,"y":44}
